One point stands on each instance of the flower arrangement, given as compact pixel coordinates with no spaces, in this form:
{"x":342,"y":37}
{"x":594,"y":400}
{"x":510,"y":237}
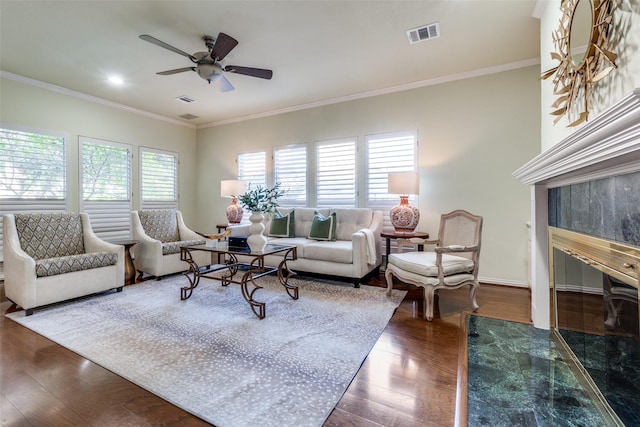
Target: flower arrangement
{"x":261,"y":199}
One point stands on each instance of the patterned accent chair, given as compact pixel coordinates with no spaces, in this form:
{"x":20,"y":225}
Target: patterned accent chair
{"x":160,"y":234}
{"x":53,"y":257}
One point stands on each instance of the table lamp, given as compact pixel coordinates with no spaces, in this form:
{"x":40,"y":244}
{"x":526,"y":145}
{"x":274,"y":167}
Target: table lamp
{"x":233,"y":188}
{"x":404,"y":217}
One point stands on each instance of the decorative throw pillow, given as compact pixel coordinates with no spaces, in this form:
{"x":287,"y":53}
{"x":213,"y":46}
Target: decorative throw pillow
{"x":323,"y":228}
{"x":283,"y":226}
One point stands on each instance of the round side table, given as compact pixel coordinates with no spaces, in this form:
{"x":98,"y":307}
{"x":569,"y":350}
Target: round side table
{"x":129,"y":268}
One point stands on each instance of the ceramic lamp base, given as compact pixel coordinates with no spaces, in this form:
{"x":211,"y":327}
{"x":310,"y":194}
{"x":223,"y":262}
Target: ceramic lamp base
{"x":234,"y":212}
{"x":405,"y":217}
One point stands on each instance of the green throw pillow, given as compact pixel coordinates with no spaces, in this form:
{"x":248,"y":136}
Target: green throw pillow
{"x":283,"y":226}
{"x":323,"y":228}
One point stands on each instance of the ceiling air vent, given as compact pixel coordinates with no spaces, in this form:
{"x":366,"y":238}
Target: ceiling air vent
{"x":185,"y":99}
{"x":188,"y":116}
{"x":426,"y":32}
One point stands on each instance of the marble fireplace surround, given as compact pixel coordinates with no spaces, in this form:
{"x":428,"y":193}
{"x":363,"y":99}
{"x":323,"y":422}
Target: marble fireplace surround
{"x":608,"y":145}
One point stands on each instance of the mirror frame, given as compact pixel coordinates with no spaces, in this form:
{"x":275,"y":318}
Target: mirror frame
{"x":571,"y":81}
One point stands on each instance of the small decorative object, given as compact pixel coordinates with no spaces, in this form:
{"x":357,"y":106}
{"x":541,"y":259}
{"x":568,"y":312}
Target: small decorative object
{"x":259,"y":201}
{"x":404,"y":217}
{"x":233,"y":188}
{"x":577,"y":72}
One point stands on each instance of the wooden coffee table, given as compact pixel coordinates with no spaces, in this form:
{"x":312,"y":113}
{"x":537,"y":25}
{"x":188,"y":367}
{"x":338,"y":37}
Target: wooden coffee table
{"x":241,"y":267}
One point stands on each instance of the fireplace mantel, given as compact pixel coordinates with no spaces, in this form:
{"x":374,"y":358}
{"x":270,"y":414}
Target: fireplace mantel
{"x":607,"y":145}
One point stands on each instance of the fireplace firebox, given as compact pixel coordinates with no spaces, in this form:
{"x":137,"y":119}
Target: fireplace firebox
{"x":595,"y":318}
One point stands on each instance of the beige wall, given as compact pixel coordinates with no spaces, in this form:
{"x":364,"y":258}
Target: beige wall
{"x":619,"y":83}
{"x":37,"y":108}
{"x":472,"y":133}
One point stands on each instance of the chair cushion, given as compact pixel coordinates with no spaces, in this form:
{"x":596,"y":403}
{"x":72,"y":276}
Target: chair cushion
{"x":50,"y":235}
{"x":283,"y":225}
{"x":68,"y":264}
{"x":160,"y":224}
{"x":424,"y":263}
{"x":323,"y":227}
{"x":174,"y":247}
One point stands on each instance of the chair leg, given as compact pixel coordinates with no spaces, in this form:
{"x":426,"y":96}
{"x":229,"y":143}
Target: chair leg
{"x":472,"y":297}
{"x":429,"y":293}
{"x":388,"y":275}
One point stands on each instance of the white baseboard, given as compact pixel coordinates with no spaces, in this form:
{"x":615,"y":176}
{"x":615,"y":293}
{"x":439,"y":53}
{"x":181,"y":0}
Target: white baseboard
{"x":503,"y":282}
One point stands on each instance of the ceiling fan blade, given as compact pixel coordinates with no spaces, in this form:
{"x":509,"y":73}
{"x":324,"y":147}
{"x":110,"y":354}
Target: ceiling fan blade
{"x":176,"y":71}
{"x":224,"y":85}
{"x":157,"y":42}
{"x":249,"y":71}
{"x":223,"y":45}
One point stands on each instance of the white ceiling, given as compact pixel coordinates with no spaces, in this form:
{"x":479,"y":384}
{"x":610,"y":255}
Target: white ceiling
{"x":319,"y":51}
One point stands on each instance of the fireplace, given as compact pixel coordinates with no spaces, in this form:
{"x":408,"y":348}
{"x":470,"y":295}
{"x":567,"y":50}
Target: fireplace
{"x":595,"y":319}
{"x":585,"y":248}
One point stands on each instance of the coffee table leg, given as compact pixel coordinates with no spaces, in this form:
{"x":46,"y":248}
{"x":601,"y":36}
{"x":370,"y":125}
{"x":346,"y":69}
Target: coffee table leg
{"x":284,"y":273}
{"x":257,"y":307}
{"x":194,"y":271}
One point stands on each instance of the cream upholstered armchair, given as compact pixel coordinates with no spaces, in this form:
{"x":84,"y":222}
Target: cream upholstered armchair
{"x":452,"y":264}
{"x":160,"y":234}
{"x":53,"y":257}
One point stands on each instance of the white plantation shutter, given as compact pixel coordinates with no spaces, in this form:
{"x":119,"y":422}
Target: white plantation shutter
{"x":252,"y":168}
{"x":33,"y":172}
{"x":105,"y":186}
{"x":336,"y":174}
{"x":389,"y":152}
{"x":158,"y":179}
{"x":290,"y":167}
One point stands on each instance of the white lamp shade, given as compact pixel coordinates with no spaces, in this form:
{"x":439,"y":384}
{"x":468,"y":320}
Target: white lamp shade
{"x":404,"y":183}
{"x":232,"y":188}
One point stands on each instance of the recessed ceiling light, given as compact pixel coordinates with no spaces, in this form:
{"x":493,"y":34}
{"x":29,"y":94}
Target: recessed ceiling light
{"x":116,"y":80}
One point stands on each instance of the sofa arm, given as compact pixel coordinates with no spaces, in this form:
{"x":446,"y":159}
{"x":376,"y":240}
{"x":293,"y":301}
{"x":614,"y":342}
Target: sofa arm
{"x":147,"y":252}
{"x":93,"y":243}
{"x":240,"y":230}
{"x":19,"y":267}
{"x":185,"y":232}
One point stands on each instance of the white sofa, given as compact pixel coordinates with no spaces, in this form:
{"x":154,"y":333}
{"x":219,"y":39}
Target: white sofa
{"x":349,"y":256}
{"x":54,"y":257}
{"x":160,"y":234}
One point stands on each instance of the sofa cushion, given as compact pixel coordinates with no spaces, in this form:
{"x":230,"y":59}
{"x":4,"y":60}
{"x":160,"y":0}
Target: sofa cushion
{"x":300,"y":243}
{"x":174,"y":247}
{"x":348,"y":221}
{"x":283,"y":225}
{"x":339,"y":251}
{"x":304,"y":217}
{"x":323,"y":227}
{"x":424,"y":263}
{"x":160,"y":224}
{"x":68,"y":264}
{"x":50,"y":235}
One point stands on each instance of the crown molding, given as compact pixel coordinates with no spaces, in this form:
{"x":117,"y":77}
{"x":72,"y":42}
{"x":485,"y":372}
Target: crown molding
{"x":385,"y":91}
{"x":90,"y":98}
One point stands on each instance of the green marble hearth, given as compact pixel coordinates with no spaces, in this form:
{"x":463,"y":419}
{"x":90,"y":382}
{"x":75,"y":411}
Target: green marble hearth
{"x":518,"y":376}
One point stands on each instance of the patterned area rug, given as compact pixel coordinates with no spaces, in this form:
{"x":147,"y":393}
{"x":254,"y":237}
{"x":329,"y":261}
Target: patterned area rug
{"x":211,"y":356}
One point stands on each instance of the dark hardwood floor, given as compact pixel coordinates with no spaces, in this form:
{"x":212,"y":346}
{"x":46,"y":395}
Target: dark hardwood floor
{"x":408,"y":379}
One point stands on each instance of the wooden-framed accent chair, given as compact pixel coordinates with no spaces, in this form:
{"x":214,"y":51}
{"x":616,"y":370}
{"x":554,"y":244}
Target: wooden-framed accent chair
{"x":453,"y":263}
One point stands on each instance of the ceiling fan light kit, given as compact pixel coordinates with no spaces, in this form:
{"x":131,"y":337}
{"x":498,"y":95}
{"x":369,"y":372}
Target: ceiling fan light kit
{"x":210,"y":65}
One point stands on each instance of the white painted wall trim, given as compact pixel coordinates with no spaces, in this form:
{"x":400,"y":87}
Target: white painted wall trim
{"x":503,"y":282}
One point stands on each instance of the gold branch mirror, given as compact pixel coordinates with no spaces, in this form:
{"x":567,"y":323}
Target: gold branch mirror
{"x":585,"y":52}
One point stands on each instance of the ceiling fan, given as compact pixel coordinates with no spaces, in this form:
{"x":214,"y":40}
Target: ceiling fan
{"x":210,"y":65}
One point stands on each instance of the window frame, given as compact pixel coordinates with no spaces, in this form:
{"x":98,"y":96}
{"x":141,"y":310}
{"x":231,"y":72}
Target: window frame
{"x":156,"y":203}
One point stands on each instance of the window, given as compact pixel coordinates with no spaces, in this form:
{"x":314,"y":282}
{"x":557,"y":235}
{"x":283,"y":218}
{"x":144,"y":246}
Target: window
{"x":290,"y":166}
{"x":336,"y":173}
{"x":390,"y":152}
{"x":252,"y":168}
{"x":33,"y":172}
{"x":105,"y":186}
{"x":158,"y":179}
